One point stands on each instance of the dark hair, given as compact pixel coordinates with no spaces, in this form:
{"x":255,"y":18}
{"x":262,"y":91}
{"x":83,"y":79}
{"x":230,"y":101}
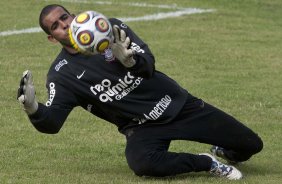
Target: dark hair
{"x":45,"y":11}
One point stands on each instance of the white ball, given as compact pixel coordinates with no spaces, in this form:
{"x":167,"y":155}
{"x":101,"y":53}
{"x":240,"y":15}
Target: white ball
{"x":91,"y":32}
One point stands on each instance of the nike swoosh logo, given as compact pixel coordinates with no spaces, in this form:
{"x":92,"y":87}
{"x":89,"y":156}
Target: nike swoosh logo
{"x":79,"y":76}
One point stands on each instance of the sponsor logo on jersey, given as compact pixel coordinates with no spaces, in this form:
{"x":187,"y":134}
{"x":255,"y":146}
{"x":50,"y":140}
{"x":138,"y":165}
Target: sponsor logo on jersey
{"x":108,"y":91}
{"x":159,"y":108}
{"x":123,"y":25}
{"x":140,"y":120}
{"x":52,"y":94}
{"x":60,"y":64}
{"x":136,"y":48}
{"x":79,"y":76}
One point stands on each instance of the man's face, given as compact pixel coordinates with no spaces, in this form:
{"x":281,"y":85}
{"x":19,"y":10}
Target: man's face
{"x":58,"y":22}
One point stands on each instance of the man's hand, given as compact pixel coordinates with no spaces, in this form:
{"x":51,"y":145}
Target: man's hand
{"x":26,"y":93}
{"x":120,"y":48}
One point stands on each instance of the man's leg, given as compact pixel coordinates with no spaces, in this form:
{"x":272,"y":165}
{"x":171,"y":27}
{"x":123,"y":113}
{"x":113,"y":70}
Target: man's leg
{"x":201,"y":122}
{"x":146,"y":150}
{"x":147,"y":154}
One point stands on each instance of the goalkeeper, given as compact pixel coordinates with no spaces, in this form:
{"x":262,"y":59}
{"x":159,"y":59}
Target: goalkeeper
{"x":147,"y":106}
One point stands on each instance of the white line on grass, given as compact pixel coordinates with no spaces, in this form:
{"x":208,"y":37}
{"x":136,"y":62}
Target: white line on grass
{"x":158,"y":16}
{"x":171,"y":6}
{"x":14,"y":32}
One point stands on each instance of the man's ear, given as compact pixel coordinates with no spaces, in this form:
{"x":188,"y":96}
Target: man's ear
{"x":52,"y":39}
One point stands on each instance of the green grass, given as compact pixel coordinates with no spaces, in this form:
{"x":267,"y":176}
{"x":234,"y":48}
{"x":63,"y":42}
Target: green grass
{"x":231,"y":58}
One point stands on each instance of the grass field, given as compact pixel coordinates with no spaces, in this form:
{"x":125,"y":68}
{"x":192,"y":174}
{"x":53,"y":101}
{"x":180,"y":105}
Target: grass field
{"x":231,"y":57}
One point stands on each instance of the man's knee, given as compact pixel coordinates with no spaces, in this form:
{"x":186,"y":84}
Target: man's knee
{"x":257,"y":145}
{"x":143,"y":164}
{"x":253,"y":146}
{"x":139,"y":163}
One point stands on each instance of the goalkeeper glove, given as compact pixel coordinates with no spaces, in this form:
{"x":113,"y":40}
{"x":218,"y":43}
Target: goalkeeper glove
{"x":26,"y":93}
{"x":120,"y":48}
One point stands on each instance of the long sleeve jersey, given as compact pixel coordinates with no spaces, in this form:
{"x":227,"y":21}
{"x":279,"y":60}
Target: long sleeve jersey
{"x":123,"y":96}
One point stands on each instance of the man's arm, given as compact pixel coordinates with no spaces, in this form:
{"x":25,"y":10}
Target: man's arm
{"x":136,"y":55}
{"x":47,"y":118}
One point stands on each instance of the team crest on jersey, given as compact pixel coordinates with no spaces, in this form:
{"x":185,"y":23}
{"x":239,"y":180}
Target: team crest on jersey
{"x":108,"y":54}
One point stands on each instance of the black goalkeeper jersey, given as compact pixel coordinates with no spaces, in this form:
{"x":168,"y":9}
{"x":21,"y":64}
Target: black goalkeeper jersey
{"x":103,"y":86}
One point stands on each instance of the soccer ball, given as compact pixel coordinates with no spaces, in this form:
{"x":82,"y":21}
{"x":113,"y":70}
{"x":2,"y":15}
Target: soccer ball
{"x":90,"y":33}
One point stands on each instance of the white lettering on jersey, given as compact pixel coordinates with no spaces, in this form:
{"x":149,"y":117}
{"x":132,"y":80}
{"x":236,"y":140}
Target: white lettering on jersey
{"x":123,"y":25}
{"x":108,"y":92}
{"x":159,"y":108}
{"x":60,"y":64}
{"x":136,"y":48}
{"x":139,"y":120}
{"x":52,"y":94}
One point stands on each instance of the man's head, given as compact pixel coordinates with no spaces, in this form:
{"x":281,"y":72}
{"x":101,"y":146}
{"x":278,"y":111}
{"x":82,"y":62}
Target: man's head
{"x":55,"y":20}
{"x":45,"y":11}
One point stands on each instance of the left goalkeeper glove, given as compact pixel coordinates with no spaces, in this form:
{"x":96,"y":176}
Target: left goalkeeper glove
{"x":26,"y":93}
{"x":120,"y":48}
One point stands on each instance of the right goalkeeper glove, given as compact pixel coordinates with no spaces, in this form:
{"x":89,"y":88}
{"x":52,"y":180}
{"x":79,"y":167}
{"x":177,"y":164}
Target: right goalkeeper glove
{"x":26,"y":93}
{"x":120,"y":48}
